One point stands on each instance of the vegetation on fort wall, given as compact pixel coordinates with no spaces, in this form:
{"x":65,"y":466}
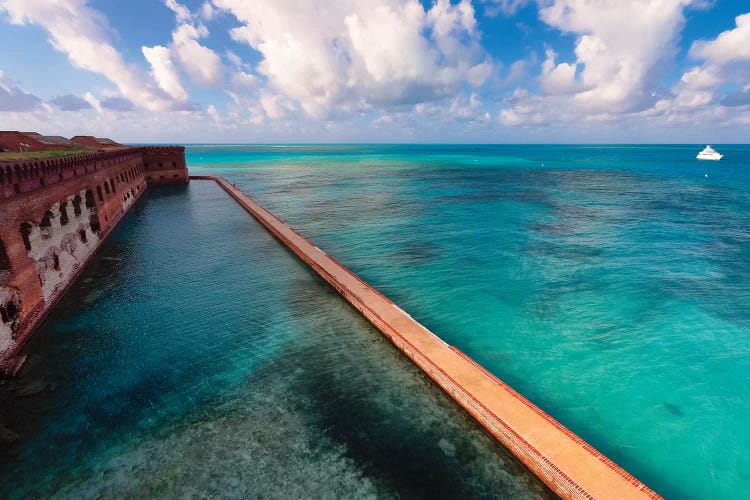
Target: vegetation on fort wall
{"x":42,"y":155}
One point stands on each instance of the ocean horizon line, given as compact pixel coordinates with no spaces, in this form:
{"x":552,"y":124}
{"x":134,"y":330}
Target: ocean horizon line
{"x":592,"y":144}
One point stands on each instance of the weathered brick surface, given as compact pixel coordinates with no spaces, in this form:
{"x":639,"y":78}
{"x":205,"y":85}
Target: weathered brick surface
{"x":165,"y":165}
{"x":103,"y":186}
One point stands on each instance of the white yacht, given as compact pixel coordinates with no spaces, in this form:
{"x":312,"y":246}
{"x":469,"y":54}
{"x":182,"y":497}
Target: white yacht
{"x":709,"y":154}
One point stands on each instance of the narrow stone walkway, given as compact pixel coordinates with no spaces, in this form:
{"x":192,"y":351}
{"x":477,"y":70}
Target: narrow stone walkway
{"x":567,"y":464}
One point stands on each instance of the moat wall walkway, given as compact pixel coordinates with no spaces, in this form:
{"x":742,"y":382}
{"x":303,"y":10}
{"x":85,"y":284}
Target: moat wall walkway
{"x":567,"y":464}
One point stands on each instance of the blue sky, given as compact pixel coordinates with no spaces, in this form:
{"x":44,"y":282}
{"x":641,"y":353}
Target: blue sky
{"x":378,"y":70}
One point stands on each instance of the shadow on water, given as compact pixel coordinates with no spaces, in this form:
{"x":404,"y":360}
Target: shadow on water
{"x":158,"y":192}
{"x":390,"y":419}
{"x":268,"y":386}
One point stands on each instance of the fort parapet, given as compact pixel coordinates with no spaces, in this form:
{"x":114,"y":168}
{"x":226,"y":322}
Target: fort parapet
{"x":165,"y":165}
{"x":54,"y":214}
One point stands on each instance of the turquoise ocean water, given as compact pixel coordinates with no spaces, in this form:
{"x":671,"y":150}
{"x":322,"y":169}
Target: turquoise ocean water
{"x":196,"y":358}
{"x":608,"y":284}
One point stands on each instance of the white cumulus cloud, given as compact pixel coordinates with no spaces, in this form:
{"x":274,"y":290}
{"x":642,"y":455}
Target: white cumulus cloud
{"x":731,"y":45}
{"x":202,"y":64}
{"x":559,"y":79}
{"x":164,"y":71}
{"x":700,"y":85}
{"x":183,"y":13}
{"x":619,"y":45}
{"x":350,"y":55}
{"x":80,"y":32}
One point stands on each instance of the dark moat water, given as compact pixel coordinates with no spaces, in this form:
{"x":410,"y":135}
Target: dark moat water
{"x":196,"y":357}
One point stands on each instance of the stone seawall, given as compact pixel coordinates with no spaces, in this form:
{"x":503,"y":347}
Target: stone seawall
{"x":54,"y":214}
{"x":567,"y":464}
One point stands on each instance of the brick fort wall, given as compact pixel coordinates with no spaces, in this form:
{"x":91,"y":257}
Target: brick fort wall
{"x":54,"y":214}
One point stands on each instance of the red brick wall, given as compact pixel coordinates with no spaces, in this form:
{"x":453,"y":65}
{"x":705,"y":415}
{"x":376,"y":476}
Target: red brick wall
{"x":165,"y":165}
{"x":26,"y":176}
{"x":59,"y":251}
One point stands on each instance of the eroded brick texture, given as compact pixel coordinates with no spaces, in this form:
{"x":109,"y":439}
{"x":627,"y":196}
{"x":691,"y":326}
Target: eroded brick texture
{"x":54,"y":214}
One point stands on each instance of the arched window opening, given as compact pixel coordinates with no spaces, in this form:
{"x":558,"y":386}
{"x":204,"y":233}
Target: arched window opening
{"x":174,"y":164}
{"x":46,"y":225}
{"x":64,"y":213}
{"x":106,"y":187}
{"x":161,"y":165}
{"x":99,"y":193}
{"x":82,"y":234}
{"x":77,"y":205}
{"x":47,"y":219}
{"x":12,"y":310}
{"x":112,"y":185}
{"x":4,"y":260}
{"x":25,"y":232}
{"x":94,"y":222}
{"x":90,"y":203}
{"x":56,"y":262}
